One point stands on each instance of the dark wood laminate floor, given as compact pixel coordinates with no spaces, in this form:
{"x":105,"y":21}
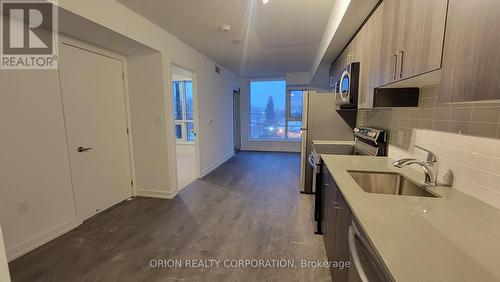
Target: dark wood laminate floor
{"x":248,"y":208}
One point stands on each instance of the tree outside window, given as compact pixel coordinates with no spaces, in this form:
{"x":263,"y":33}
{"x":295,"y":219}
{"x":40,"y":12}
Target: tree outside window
{"x":275,"y":114}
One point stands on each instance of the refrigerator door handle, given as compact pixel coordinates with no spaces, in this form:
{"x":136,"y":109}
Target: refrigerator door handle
{"x":304,"y":161}
{"x":311,"y":161}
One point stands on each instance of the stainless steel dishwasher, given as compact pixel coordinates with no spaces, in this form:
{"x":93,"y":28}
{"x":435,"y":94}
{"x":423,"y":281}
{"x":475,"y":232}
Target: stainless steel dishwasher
{"x":365,"y":264}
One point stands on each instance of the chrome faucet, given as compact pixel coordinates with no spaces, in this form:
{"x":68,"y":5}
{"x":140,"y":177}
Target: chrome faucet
{"x":430,"y":167}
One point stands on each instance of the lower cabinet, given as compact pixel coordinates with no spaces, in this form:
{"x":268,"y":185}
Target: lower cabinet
{"x":337,"y":219}
{"x":344,"y":239}
{"x":327,"y":213}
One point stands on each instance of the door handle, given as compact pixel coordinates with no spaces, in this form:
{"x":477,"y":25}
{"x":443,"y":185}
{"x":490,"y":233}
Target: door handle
{"x":401,"y":69}
{"x":83,"y":149}
{"x":311,"y":161}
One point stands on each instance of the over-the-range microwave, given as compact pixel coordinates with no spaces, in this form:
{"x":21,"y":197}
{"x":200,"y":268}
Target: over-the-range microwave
{"x":346,"y":87}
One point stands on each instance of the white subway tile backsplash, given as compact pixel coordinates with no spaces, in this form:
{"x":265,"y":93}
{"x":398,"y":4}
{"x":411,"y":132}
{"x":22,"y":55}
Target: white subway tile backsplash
{"x":475,"y":161}
{"x":482,"y":193}
{"x":465,"y":137}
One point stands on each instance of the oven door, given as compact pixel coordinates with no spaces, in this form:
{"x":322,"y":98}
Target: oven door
{"x":364,"y":149}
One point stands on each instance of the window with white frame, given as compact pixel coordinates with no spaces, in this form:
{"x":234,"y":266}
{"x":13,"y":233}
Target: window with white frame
{"x":182,"y":92}
{"x":275,"y":113}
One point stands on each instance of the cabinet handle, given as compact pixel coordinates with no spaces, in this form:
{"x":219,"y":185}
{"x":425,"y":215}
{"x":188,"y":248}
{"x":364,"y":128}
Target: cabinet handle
{"x":336,"y":206}
{"x":401,"y":69}
{"x":395,"y":56}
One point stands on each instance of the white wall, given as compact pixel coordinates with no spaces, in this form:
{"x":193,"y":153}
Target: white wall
{"x":34,"y":163}
{"x":253,"y":145}
{"x":179,"y":73}
{"x":145,"y":75}
{"x":214,"y":90}
{"x":338,"y":11}
{"x":345,"y":18}
{"x":4,"y":268}
{"x":181,"y":77}
{"x":298,"y":79}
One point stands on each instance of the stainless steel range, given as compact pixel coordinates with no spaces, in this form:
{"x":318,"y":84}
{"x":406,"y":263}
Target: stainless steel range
{"x":367,"y":142}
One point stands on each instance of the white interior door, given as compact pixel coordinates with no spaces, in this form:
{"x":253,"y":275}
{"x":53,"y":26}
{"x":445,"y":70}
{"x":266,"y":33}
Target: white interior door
{"x":95,"y":114}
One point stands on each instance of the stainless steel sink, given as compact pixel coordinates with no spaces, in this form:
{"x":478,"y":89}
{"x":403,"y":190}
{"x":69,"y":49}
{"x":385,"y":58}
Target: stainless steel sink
{"x":389,"y":183}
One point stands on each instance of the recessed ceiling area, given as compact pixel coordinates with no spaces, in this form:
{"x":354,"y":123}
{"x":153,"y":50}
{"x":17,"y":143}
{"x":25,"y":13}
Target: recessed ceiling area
{"x":271,"y":39}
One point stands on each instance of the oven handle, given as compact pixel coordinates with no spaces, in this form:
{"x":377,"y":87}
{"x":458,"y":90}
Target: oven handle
{"x":353,"y":233}
{"x":311,"y":161}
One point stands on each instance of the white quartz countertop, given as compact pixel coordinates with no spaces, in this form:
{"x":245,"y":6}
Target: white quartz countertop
{"x":332,"y":142}
{"x":452,"y":238}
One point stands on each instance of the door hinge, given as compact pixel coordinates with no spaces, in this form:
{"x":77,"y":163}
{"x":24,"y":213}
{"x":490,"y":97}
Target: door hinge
{"x":131,"y":182}
{"x":123,"y":75}
{"x":128,"y":131}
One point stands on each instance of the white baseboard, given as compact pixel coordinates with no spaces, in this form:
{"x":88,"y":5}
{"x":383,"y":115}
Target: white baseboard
{"x":151,"y":193}
{"x":209,"y":169}
{"x":39,"y":240}
{"x":271,"y":146}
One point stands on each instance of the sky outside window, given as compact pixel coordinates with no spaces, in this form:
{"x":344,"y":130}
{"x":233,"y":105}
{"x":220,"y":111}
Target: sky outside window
{"x":268,"y":120}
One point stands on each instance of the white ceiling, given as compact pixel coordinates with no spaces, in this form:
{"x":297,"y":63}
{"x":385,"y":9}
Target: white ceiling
{"x":279,"y":37}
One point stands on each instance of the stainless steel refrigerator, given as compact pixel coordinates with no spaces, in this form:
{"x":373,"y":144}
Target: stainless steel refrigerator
{"x":320,"y":121}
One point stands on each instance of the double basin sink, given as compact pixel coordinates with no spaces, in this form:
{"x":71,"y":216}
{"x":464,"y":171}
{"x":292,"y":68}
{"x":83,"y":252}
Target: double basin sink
{"x":390,"y":183}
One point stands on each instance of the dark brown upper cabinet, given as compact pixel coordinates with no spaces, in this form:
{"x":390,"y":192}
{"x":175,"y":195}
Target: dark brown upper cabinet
{"x":388,"y":63}
{"x":370,"y":44}
{"x":471,"y":57}
{"x":400,"y":40}
{"x":412,"y":40}
{"x":423,"y":35}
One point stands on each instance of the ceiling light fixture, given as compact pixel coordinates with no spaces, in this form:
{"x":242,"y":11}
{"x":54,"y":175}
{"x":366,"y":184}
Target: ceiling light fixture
{"x":224,"y":28}
{"x":265,"y":1}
